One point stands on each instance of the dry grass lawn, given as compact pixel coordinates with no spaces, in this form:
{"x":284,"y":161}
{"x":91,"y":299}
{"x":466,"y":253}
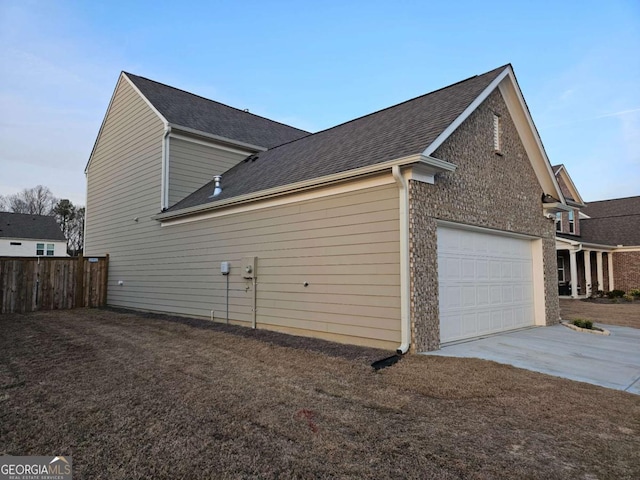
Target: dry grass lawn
{"x":624,"y":314}
{"x":141,"y":396}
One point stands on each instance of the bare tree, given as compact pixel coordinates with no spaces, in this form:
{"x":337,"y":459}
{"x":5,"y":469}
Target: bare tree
{"x":4,"y":205}
{"x":35,"y":201}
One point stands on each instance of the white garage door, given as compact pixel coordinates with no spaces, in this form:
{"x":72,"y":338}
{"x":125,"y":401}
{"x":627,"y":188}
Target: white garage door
{"x":486,"y":283}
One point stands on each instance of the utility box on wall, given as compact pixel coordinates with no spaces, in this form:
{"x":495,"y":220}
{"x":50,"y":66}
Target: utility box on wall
{"x":249,"y":265}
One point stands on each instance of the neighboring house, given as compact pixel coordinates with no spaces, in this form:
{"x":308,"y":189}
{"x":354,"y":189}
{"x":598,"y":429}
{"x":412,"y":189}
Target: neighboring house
{"x":417,"y":225}
{"x":598,"y":243}
{"x":24,"y":235}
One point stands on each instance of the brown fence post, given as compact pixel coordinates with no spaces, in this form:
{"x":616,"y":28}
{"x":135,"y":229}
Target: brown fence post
{"x":105,"y":281}
{"x":79,"y":281}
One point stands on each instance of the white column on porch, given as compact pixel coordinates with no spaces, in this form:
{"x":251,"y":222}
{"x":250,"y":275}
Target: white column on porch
{"x":574,"y":273}
{"x":610,"y":265}
{"x":599,"y":270}
{"x":587,"y":272}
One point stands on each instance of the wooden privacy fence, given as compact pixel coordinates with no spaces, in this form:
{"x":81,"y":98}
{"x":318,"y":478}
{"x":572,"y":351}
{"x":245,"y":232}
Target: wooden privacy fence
{"x":28,"y":284}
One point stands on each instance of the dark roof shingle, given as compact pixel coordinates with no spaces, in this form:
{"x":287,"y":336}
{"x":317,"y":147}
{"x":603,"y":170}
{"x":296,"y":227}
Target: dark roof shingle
{"x":613,"y":207}
{"x":37,"y":227}
{"x":401,"y":130}
{"x":188,"y":110}
{"x":623,"y":230}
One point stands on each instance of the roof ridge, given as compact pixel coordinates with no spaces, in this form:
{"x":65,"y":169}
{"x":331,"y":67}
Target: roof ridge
{"x":392,"y":106}
{"x":213,"y":101}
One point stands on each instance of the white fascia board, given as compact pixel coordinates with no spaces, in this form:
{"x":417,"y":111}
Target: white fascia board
{"x":466,"y":113}
{"x":566,"y":240}
{"x":218,"y":138}
{"x":628,"y":248}
{"x":209,"y":143}
{"x":279,"y":201}
{"x":564,"y":243}
{"x":525,"y":109}
{"x":555,"y":207}
{"x":506,"y":75}
{"x":429,"y":162}
{"x":572,"y":185}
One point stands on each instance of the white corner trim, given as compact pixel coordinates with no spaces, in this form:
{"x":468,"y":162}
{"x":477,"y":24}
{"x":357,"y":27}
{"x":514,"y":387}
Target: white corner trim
{"x":327,"y":191}
{"x":539,"y":305}
{"x":164,"y":178}
{"x":465,"y":114}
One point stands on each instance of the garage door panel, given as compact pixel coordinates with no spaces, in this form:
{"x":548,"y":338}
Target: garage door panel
{"x":486,"y":283}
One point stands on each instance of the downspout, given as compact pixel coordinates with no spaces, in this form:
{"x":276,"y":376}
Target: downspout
{"x":164,"y":189}
{"x":405,"y":278}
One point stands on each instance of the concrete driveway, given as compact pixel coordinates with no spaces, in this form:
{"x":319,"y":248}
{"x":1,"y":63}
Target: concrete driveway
{"x":609,"y":361}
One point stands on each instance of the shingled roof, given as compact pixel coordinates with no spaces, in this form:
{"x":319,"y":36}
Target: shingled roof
{"x":613,"y":207}
{"x":37,"y":227}
{"x":613,"y":222}
{"x":401,"y":130}
{"x":185,"y":109}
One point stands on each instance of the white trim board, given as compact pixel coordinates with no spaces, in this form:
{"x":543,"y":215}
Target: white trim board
{"x":517,"y":107}
{"x":285,"y":200}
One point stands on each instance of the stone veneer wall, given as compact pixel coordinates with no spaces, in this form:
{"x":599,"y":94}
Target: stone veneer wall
{"x":626,"y":270}
{"x":488,"y":190}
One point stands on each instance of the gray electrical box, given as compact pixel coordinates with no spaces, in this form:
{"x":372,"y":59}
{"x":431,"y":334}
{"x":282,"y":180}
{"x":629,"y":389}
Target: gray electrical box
{"x":225,"y":267}
{"x":249,"y":267}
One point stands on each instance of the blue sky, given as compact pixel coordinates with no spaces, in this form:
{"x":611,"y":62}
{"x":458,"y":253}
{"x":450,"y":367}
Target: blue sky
{"x":314,"y":66}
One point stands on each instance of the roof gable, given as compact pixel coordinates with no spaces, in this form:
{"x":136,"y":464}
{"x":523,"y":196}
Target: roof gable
{"x":37,"y":227}
{"x":566,"y":184}
{"x":183,"y":109}
{"x":399,"y":131}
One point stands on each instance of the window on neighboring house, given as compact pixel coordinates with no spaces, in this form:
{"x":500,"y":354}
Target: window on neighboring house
{"x":561,"y":269}
{"x":559,"y":222}
{"x":16,"y":243}
{"x":39,"y":248}
{"x":572,"y":227}
{"x":50,"y":249}
{"x":496,"y":133}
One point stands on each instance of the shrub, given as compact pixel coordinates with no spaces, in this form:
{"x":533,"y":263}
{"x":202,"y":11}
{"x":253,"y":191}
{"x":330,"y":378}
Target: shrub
{"x":615,"y":294}
{"x":628,"y":297}
{"x":600,"y":293}
{"x":635,"y":293}
{"x":579,"y":322}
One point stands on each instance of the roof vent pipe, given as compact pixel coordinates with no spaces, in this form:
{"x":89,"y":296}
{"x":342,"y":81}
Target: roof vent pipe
{"x":218,"y":189}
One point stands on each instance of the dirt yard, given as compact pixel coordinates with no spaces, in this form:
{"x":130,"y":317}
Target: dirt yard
{"x":132,"y":396}
{"x":625,"y":314}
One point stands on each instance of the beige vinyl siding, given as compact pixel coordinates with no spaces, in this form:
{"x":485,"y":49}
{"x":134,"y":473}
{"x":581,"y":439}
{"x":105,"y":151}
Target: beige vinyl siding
{"x":124,"y":175}
{"x":191,"y":165}
{"x":346,"y":246}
